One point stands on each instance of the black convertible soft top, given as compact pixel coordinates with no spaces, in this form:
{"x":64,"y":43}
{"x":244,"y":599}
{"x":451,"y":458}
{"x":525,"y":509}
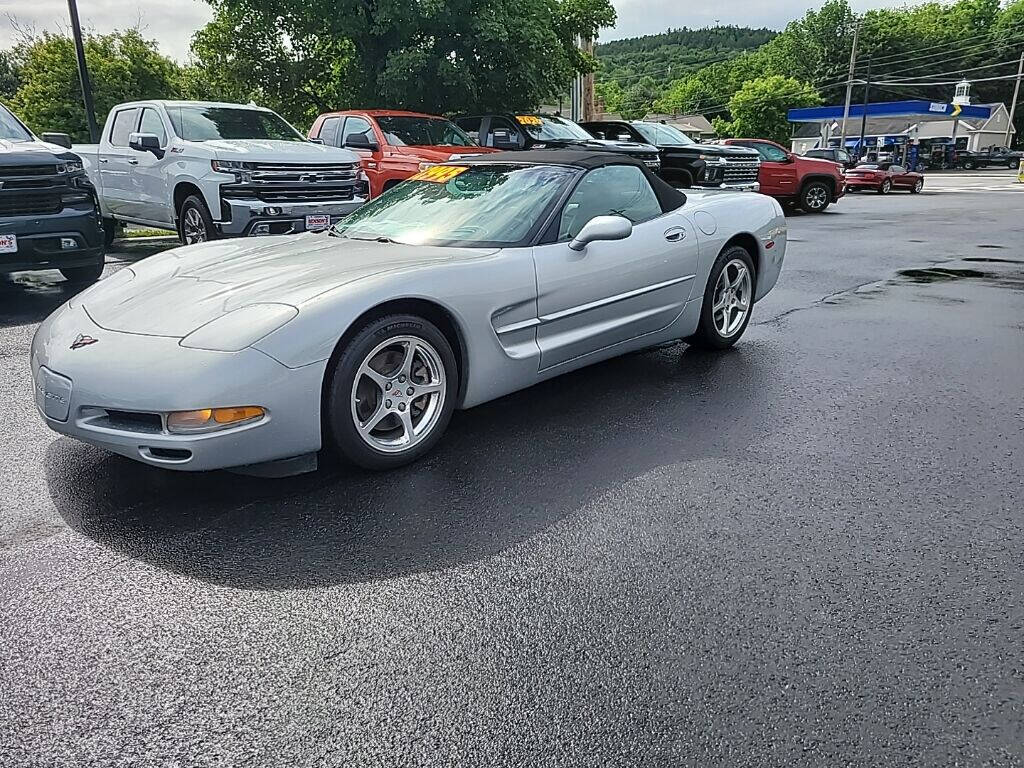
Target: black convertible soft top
{"x":668,"y":196}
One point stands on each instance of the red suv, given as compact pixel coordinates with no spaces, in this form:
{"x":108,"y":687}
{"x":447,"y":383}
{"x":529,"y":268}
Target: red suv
{"x":394,"y":145}
{"x":789,"y":178}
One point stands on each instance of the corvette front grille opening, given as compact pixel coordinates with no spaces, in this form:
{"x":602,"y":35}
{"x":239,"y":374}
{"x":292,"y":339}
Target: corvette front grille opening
{"x":133,"y":421}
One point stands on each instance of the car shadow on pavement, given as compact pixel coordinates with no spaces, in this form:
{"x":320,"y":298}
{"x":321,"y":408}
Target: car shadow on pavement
{"x":28,"y":297}
{"x":504,"y":472}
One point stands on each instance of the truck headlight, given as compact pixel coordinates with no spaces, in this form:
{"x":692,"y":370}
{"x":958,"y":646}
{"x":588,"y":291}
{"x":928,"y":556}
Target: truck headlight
{"x":70,"y":166}
{"x":240,"y":328}
{"x":239,"y":169}
{"x":713,"y":159}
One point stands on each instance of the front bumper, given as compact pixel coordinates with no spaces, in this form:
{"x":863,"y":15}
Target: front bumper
{"x":39,"y":239}
{"x":244,"y":216}
{"x":112,"y":394}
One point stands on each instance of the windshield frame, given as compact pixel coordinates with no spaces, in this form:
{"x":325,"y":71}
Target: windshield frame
{"x":174,"y":116}
{"x":530,"y":238}
{"x":8,"y":118}
{"x":640,"y":125}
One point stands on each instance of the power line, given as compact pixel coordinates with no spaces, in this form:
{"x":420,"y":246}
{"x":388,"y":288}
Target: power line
{"x":960,"y":71}
{"x":945,"y":46}
{"x":950,"y":82}
{"x":981,"y":47}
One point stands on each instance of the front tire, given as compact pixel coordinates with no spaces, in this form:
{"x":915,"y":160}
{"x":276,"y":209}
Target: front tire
{"x":728,"y":300}
{"x":109,"y":232}
{"x":86,"y":275}
{"x":815,"y":197}
{"x":391,"y":393}
{"x":918,"y":186}
{"x":195,"y":225}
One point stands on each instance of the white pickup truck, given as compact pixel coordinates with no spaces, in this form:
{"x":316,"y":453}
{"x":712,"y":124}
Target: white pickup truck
{"x":209,"y":170}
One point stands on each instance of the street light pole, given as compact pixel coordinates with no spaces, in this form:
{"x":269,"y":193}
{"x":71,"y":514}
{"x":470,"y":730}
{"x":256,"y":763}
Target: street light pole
{"x":83,"y":72}
{"x":849,"y":83}
{"x":864,"y":113}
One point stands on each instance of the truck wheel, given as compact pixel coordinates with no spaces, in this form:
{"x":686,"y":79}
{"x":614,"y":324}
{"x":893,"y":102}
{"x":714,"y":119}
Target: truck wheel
{"x":86,"y":275}
{"x":968,"y":165}
{"x":195,"y":225}
{"x":1012,"y":165}
{"x":684,"y":181}
{"x":815,"y":197}
{"x":109,"y":232}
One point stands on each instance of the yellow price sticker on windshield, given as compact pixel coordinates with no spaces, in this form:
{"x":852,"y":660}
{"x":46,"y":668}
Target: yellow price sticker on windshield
{"x":439,"y":174}
{"x":528,"y":120}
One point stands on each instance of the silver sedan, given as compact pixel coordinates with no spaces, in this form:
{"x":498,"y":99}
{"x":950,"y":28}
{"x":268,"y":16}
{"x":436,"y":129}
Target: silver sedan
{"x":467,"y":282}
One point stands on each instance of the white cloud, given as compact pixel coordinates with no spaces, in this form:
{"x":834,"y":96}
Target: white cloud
{"x":170,"y":22}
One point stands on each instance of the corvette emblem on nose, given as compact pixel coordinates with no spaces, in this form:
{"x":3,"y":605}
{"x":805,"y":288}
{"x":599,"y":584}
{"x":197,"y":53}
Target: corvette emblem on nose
{"x":83,"y":341}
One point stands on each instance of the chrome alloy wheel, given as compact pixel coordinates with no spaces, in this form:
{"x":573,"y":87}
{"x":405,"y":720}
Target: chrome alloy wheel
{"x":733,"y":294}
{"x":193,"y":227}
{"x":817,"y":198}
{"x":398,"y":394}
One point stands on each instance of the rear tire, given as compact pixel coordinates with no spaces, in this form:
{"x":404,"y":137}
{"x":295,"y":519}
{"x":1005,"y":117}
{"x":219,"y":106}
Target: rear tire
{"x":86,"y":275}
{"x":371,"y":418}
{"x":728,"y":304}
{"x":195,"y":225}
{"x":885,"y":188}
{"x":815,"y":197}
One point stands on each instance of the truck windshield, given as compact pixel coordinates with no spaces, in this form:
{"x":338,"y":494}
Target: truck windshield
{"x":11,"y":128}
{"x":213,"y":123}
{"x":492,"y":205}
{"x":423,"y":132}
{"x":550,"y":128}
{"x":663,"y":135}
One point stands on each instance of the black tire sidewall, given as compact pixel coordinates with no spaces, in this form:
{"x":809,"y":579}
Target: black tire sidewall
{"x":707,"y":335}
{"x":84,"y":275}
{"x":806,"y":190}
{"x":340,"y":432}
{"x":194,"y":202}
{"x":885,"y":188}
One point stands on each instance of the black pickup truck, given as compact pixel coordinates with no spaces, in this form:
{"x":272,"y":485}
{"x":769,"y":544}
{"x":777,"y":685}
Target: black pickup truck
{"x":514,"y":132}
{"x":1001,"y":156}
{"x":49,"y":217}
{"x":684,"y":162}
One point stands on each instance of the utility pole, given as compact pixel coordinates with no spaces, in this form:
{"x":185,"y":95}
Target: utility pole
{"x":1013,"y":102}
{"x":849,"y":83}
{"x":864,"y":113}
{"x":83,"y":72}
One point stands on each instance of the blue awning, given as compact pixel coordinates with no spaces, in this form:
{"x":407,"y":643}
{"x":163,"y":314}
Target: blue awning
{"x":923,"y":110}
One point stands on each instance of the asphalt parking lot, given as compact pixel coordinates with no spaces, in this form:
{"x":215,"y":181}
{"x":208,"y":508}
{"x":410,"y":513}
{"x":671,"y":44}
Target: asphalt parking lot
{"x":806,"y":551}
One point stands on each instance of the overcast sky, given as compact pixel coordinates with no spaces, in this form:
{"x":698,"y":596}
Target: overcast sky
{"x":172,"y":22}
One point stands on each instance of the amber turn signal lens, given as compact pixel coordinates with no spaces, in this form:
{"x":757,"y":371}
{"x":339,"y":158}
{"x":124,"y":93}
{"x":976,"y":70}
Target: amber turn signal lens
{"x":207,"y":419}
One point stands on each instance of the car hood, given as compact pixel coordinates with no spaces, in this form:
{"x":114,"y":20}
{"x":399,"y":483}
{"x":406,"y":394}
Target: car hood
{"x":31,"y":152}
{"x":175,"y":292}
{"x":272,"y":151}
{"x":607,"y":145}
{"x":715,"y":150}
{"x":438,"y":154}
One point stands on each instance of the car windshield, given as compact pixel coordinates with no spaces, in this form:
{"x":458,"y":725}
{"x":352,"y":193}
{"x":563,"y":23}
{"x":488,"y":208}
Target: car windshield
{"x":11,"y":129}
{"x":460,"y":205}
{"x":551,"y":128}
{"x":870,"y":166}
{"x":213,"y":123}
{"x":663,"y":135}
{"x":423,"y":132}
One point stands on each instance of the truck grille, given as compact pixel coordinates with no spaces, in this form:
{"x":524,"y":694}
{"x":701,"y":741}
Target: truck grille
{"x":740,"y":171}
{"x":283,"y":194}
{"x":12,"y":171}
{"x":30,"y":204}
{"x":304,"y":173}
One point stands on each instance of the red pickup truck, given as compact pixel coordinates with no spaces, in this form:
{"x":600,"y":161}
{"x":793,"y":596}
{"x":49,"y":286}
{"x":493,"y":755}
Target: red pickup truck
{"x":789,"y":178}
{"x":393,"y":144}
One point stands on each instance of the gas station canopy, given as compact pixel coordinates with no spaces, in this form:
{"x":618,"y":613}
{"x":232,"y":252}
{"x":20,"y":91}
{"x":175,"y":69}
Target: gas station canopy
{"x":921,"y":110}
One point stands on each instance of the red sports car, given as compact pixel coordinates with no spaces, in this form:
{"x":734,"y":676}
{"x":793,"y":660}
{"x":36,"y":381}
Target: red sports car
{"x":883,"y":178}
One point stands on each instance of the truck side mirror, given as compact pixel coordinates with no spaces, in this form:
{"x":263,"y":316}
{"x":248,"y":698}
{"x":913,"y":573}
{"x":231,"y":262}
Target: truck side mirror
{"x":145,"y":142}
{"x":60,"y":139}
{"x":360,"y":141}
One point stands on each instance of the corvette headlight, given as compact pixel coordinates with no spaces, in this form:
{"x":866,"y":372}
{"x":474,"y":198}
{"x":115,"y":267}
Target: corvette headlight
{"x":212,"y":419}
{"x":240,"y":328}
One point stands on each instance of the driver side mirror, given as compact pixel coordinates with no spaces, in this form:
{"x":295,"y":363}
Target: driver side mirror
{"x":360,"y":141}
{"x":145,"y":142}
{"x":60,"y":139}
{"x":602,"y":228}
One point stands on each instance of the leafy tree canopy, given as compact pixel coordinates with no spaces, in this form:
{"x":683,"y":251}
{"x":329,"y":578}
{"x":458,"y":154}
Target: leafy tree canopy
{"x":759,"y":108}
{"x":123,"y":66}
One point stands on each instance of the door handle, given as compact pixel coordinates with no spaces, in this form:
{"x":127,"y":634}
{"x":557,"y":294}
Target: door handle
{"x":132,"y":161}
{"x":675,"y":234}
{"x":103,"y":159}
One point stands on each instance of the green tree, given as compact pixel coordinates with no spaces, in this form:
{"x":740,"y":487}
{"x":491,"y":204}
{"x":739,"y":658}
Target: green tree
{"x":433,"y":56}
{"x":123,"y":66}
{"x":10,"y":74}
{"x":638,"y":99}
{"x":759,"y":108}
{"x":609,"y":94}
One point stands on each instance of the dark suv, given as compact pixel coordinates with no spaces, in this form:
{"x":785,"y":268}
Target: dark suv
{"x":512,"y":132}
{"x":836,"y":155}
{"x":49,"y":218}
{"x":684,"y":162}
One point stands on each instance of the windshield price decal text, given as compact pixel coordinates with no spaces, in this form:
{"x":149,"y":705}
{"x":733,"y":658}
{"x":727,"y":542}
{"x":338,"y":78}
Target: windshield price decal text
{"x":439,"y":174}
{"x":528,"y":120}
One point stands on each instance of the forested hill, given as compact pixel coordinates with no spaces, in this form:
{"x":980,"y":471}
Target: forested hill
{"x":669,"y":55}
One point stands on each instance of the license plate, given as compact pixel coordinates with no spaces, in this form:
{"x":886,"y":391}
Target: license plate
{"x":317,"y":221}
{"x":8,"y":243}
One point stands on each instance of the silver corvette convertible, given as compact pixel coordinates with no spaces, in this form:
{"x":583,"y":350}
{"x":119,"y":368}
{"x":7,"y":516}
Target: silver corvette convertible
{"x":465,"y":283}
